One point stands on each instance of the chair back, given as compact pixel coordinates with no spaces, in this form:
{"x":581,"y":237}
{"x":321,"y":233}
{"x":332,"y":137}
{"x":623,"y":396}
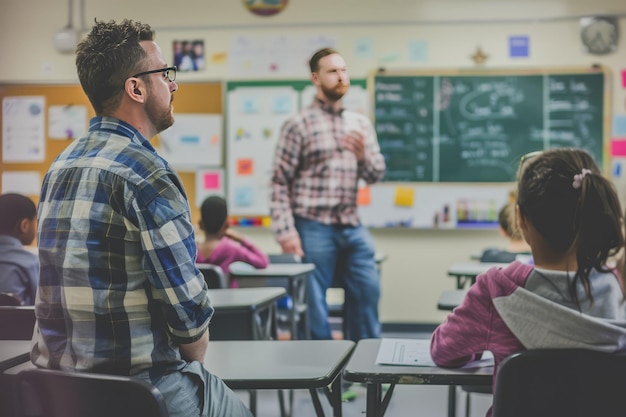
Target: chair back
{"x":52,"y":393}
{"x":560,"y":382}
{"x":9,"y":299}
{"x":17,"y":323}
{"x":214,"y":276}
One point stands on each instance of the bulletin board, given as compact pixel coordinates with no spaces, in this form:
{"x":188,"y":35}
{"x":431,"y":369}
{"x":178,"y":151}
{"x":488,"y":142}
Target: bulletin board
{"x":256,"y":111}
{"x":192,"y":98}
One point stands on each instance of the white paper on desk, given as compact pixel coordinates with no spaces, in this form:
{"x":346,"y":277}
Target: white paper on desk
{"x":416,"y":352}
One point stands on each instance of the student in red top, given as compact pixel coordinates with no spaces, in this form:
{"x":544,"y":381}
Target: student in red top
{"x":570,"y":216}
{"x":222,"y":246}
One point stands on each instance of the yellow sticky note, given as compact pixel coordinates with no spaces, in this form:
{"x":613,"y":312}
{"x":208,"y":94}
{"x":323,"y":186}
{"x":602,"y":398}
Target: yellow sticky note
{"x":405,"y":196}
{"x":219,"y":58}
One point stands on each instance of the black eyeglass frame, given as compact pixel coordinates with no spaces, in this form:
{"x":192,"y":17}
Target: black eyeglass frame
{"x":167,"y":72}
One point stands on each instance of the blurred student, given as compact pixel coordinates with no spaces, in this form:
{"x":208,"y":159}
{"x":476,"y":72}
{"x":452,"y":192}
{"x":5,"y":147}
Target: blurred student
{"x":222,"y":246}
{"x":570,"y":216}
{"x":19,"y":268}
{"x":516,"y":244}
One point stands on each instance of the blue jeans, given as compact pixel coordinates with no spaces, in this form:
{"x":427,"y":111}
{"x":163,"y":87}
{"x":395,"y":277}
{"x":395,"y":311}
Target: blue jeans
{"x":350,"y":251}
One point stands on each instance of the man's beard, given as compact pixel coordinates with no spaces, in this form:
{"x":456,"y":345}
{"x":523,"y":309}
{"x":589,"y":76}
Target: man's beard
{"x":161,"y":119}
{"x":335,"y":93}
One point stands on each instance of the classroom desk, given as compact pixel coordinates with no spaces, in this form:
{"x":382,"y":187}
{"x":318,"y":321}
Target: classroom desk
{"x":260,"y":364}
{"x":244,"y":313}
{"x":294,"y":273}
{"x":466,"y":272}
{"x":288,"y":364}
{"x":449,"y":299}
{"x":13,"y":352}
{"x":362,"y":367}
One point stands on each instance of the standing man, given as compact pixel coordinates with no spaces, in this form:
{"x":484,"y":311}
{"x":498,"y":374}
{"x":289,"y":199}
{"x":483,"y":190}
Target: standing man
{"x":119,"y":292}
{"x":321,"y":154}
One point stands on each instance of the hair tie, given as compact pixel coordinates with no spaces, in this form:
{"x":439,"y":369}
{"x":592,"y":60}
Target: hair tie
{"x":578,"y":178}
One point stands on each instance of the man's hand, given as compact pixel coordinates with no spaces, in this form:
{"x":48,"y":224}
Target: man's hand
{"x":292,"y":245}
{"x":354,"y":141}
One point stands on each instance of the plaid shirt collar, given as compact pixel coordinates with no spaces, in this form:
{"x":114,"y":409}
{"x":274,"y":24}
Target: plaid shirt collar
{"x":327,"y":107}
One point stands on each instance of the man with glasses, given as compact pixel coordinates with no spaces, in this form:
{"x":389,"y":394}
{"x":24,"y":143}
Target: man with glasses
{"x":119,"y":291}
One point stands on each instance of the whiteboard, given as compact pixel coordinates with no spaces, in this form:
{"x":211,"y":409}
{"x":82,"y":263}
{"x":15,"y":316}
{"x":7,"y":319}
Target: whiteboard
{"x":194,"y":141}
{"x":255,"y":116}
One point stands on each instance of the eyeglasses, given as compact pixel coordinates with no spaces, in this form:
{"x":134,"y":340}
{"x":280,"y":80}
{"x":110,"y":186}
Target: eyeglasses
{"x":169,"y":73}
{"x":524,"y":161}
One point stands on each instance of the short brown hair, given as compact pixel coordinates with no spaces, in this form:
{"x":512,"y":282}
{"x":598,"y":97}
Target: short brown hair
{"x":314,"y":62}
{"x":107,"y":57}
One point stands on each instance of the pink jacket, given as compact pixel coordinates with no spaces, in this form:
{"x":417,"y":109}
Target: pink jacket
{"x":229,"y":251}
{"x":500,"y":315}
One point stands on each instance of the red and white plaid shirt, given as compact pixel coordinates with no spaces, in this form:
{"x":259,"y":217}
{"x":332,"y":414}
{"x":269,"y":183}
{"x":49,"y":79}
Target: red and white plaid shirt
{"x":312,"y":176}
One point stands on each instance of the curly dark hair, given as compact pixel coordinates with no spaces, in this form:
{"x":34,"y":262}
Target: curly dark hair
{"x":106,"y":57}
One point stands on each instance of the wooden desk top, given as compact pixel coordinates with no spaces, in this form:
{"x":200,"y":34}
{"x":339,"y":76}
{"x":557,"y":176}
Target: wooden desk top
{"x":278,"y":364}
{"x":472,"y":268}
{"x":13,"y":352}
{"x":238,"y":298}
{"x":362,"y":367}
{"x":241,"y":269}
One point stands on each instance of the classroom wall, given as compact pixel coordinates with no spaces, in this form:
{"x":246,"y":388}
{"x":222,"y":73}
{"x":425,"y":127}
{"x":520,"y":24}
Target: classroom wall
{"x":415,"y":272}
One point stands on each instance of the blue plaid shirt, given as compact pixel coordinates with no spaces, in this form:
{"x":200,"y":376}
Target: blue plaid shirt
{"x":119,"y":290}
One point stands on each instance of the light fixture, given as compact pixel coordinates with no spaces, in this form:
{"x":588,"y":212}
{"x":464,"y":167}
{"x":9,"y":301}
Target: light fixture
{"x":65,"y":40}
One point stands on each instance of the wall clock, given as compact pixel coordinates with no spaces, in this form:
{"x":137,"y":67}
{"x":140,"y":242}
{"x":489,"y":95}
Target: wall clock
{"x":599,"y":34}
{"x":265,"y":7}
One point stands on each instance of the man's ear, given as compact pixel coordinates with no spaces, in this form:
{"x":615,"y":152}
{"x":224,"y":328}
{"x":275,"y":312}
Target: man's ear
{"x":135,"y":90}
{"x":22,"y":226}
{"x":315,"y":79}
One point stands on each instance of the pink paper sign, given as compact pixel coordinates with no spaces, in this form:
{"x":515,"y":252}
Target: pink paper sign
{"x":212,"y":181}
{"x":618,"y":147}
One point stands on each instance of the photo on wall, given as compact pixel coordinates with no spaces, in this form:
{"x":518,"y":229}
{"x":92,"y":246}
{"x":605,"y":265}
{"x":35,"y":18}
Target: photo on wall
{"x":189,"y":55}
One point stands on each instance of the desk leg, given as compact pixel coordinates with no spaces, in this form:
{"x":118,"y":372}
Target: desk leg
{"x":294,"y":310}
{"x":452,"y":401}
{"x":305,"y":315}
{"x":253,"y":401}
{"x":281,"y":399}
{"x":319,"y":411}
{"x":264,"y":326}
{"x":335,"y":396}
{"x":373,"y":400}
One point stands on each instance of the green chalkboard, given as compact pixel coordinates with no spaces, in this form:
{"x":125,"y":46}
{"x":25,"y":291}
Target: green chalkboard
{"x":474,"y":128}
